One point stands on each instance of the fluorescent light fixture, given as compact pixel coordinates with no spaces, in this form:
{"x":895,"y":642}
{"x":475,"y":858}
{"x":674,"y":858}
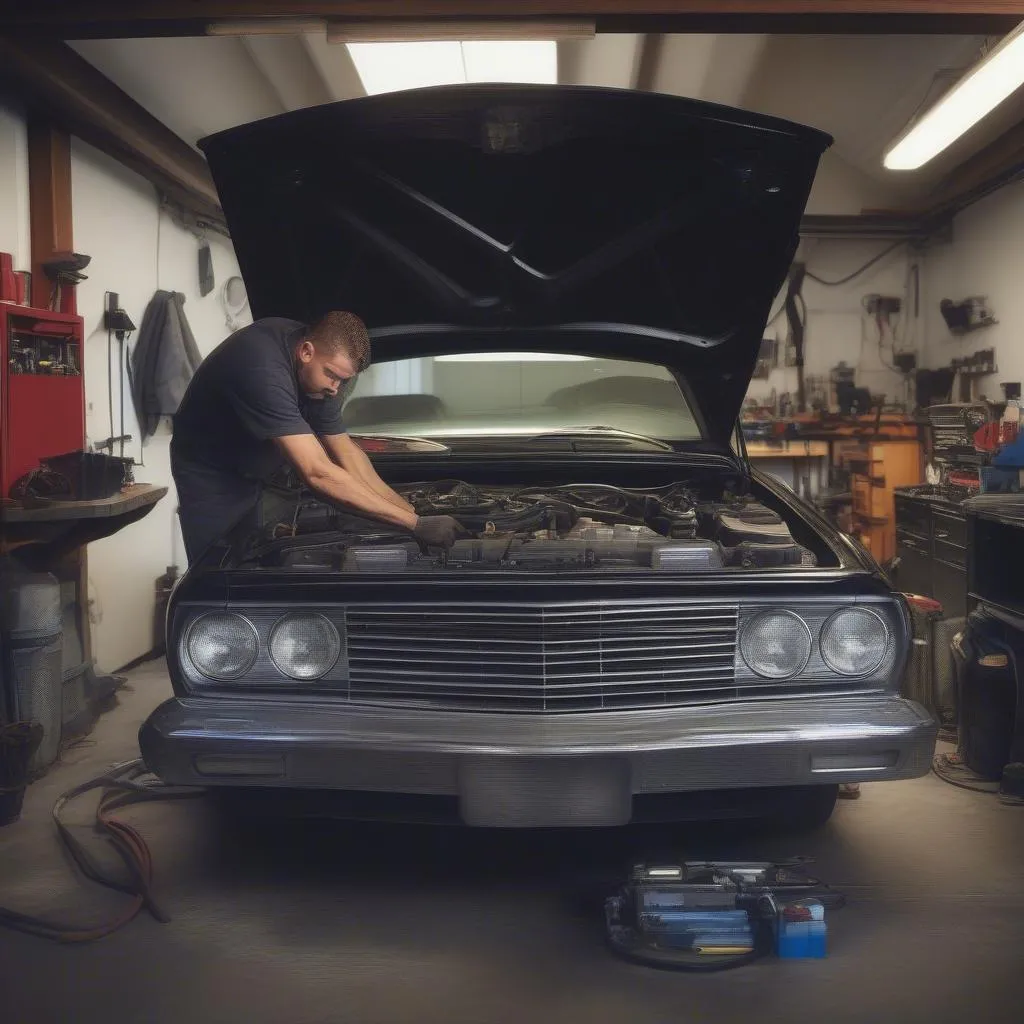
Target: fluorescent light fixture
{"x":393,"y":30}
{"x":389,"y":67}
{"x":511,"y":357}
{"x":982,"y":89}
{"x":265,"y":26}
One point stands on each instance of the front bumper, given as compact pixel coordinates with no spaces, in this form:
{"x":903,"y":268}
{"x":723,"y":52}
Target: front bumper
{"x":520,"y":770}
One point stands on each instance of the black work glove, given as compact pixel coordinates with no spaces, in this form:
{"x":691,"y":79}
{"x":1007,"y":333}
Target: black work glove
{"x":438,"y":531}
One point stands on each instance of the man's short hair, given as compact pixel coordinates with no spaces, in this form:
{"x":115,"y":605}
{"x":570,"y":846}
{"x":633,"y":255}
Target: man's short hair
{"x":341,"y":330}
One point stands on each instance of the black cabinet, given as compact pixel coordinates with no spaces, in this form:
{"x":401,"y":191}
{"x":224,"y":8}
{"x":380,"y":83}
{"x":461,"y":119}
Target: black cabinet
{"x":912,"y":571}
{"x":931,"y":550}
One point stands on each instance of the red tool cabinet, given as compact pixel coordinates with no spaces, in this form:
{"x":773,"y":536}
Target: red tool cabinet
{"x":42,"y":388}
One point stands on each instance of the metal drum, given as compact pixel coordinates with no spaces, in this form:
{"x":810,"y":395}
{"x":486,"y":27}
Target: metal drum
{"x":32,"y":641}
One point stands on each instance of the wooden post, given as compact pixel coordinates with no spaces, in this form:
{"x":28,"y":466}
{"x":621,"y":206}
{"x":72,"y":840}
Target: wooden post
{"x":49,"y":190}
{"x":51,"y":231}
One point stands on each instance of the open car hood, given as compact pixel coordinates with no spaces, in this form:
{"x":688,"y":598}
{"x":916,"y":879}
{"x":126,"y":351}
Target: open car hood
{"x":599,"y":221}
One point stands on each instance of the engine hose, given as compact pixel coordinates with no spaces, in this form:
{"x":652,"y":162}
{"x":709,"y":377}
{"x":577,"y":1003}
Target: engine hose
{"x":537,"y":517}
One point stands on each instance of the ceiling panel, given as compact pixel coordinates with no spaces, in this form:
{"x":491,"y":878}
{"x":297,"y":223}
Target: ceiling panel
{"x":195,"y":86}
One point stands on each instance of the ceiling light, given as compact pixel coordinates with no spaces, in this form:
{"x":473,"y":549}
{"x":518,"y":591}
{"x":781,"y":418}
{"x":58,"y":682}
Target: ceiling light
{"x":398,"y":31}
{"x":389,"y":67}
{"x":982,"y":89}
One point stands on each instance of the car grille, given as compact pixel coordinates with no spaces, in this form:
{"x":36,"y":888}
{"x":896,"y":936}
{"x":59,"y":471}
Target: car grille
{"x":567,"y":657}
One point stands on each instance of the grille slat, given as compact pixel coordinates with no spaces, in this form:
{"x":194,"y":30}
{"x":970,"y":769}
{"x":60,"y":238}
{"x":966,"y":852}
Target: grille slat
{"x":396,"y":642}
{"x":529,"y":658}
{"x":562,"y":657}
{"x":562,"y":679}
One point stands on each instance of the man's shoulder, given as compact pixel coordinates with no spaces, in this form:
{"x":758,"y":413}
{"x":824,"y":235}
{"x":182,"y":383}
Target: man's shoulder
{"x":263,"y":340}
{"x":276,"y":324}
{"x":269,"y":328}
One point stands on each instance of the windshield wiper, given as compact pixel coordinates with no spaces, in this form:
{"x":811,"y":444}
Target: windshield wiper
{"x":598,"y":439}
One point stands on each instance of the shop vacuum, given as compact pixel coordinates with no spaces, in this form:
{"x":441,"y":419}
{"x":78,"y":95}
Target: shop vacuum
{"x":703,"y":916}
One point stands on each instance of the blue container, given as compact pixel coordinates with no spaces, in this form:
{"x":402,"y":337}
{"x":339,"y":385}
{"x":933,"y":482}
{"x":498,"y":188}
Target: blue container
{"x":802,"y":939}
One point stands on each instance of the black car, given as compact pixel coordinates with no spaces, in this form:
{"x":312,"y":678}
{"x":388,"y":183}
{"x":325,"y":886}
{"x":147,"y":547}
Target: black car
{"x":566,"y":290}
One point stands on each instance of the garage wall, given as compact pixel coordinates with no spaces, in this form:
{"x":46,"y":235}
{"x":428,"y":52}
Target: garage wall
{"x":983,"y":258}
{"x":837,"y":327}
{"x":14,"y":233}
{"x":135,"y":250}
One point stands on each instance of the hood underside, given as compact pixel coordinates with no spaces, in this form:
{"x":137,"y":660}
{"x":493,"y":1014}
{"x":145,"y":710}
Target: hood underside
{"x":562,"y":218}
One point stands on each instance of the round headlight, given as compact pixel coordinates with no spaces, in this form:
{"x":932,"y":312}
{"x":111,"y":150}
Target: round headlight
{"x":304,"y":646}
{"x":776,"y":644}
{"x":222,"y":645}
{"x":854,"y":641}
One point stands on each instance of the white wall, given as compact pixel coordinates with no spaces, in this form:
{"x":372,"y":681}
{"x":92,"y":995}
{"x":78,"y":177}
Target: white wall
{"x":837,"y":327}
{"x":135,"y":250}
{"x":14,"y":236}
{"x":984,"y":258}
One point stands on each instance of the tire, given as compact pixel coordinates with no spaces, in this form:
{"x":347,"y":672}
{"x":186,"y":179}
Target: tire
{"x":810,"y":808}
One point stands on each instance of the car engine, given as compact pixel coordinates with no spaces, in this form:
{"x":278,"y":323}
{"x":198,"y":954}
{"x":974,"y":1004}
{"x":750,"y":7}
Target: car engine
{"x":570,"y":527}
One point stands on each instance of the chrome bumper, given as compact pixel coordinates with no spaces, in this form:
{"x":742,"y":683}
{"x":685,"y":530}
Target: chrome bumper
{"x":527,"y":770}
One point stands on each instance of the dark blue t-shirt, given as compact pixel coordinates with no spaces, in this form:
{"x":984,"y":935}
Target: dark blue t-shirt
{"x":244,"y":394}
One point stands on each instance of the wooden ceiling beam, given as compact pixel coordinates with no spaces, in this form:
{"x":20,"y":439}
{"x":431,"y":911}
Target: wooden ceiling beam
{"x":56,"y":84}
{"x":77,"y":19}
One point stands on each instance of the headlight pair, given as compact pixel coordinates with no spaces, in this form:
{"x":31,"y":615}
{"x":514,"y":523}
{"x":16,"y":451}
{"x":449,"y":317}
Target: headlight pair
{"x":777,"y":644}
{"x":225,"y":645}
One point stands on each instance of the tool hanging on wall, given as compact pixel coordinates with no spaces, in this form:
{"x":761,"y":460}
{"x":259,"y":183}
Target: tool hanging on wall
{"x":206,"y":277}
{"x":235,"y":300}
{"x":64,"y":269}
{"x":119,"y":325}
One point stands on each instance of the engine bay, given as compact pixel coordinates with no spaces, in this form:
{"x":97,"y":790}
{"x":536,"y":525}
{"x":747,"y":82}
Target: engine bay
{"x":542,"y":528}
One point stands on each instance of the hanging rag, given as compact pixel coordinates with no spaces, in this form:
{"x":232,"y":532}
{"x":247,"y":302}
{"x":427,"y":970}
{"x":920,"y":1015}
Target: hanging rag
{"x":163,"y":361}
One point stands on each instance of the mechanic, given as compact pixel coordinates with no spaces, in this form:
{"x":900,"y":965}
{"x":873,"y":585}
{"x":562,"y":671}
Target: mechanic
{"x":268,"y":395}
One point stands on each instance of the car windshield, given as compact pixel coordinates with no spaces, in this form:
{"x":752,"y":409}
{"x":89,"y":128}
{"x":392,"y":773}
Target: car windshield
{"x":518,"y":393}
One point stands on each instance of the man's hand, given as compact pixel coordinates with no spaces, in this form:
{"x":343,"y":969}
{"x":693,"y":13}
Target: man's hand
{"x":438,"y":531}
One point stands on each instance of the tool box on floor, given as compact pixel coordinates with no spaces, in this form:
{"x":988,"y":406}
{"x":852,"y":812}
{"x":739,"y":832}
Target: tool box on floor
{"x":710,"y":916}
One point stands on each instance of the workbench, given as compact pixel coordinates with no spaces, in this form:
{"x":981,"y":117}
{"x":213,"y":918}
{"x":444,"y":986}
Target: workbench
{"x":52,"y":538}
{"x":126,"y":501}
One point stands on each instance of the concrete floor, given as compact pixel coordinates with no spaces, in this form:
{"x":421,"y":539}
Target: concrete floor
{"x":332,"y":922}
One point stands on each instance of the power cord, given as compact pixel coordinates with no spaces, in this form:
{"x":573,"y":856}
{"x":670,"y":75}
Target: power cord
{"x":860,"y":270}
{"x":125,"y":784}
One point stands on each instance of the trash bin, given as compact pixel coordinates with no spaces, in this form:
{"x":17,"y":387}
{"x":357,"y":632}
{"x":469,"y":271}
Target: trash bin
{"x":32,"y":640}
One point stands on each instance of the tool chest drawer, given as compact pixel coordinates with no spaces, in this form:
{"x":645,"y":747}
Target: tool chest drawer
{"x":948,"y":528}
{"x":912,"y":572}
{"x":951,"y":554}
{"x":912,"y":517}
{"x":912,"y":541}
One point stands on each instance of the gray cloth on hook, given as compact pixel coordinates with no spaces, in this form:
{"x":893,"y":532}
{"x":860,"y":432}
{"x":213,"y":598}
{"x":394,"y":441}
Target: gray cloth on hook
{"x":163,"y":361}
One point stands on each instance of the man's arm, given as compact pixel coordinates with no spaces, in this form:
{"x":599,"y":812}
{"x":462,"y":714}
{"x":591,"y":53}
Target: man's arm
{"x":322,"y":474}
{"x":347,"y":454}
